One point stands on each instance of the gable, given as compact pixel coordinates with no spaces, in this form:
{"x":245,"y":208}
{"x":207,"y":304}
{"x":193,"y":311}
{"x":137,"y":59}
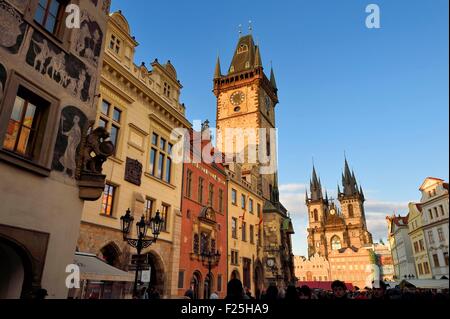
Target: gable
{"x":429,"y":182}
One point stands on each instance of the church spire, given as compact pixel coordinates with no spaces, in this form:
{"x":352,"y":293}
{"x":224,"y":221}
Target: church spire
{"x":361,"y":192}
{"x":244,"y":57}
{"x":218,"y":72}
{"x":349,"y":181}
{"x":258,"y":60}
{"x":316,"y":187}
{"x":272,"y":80}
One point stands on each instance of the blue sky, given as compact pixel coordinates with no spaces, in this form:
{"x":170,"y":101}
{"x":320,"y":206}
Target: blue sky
{"x":379,"y":95}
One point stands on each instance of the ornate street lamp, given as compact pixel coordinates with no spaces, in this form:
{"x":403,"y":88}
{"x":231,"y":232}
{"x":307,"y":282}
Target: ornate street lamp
{"x":155,"y":224}
{"x":210,"y":258}
{"x":273,"y":267}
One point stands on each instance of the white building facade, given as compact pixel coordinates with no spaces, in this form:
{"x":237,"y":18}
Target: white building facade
{"x":400,"y":243}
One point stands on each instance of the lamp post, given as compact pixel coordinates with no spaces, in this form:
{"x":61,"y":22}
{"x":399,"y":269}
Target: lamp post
{"x":212,"y":259}
{"x":142,"y":242}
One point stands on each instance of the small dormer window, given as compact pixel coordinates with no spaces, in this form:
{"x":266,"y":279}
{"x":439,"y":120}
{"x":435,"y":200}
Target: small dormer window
{"x":167,"y":89}
{"x":115,"y":44}
{"x":242,"y":48}
{"x":247,"y":65}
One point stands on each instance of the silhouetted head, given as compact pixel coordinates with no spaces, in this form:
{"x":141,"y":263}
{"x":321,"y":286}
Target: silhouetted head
{"x":235,"y":289}
{"x":339,"y":289}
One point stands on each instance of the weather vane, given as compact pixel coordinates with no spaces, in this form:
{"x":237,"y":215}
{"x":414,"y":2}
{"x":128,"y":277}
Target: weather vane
{"x":250,"y":27}
{"x":240,"y":30}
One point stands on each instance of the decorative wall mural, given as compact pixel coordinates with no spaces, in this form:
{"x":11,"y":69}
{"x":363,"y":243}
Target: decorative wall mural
{"x":2,"y":80}
{"x":106,"y":5}
{"x":65,"y":69}
{"x":90,"y":37}
{"x":73,"y":126}
{"x":19,"y":4}
{"x":12,"y":28}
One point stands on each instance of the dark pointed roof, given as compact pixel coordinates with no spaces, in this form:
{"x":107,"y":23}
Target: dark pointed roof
{"x":316,"y":187}
{"x":244,"y":57}
{"x":272,"y":80}
{"x":218,"y":71}
{"x":349,"y":181}
{"x":258,"y":60}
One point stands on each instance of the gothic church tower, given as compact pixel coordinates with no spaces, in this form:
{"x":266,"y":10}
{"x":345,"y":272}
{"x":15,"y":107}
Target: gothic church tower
{"x":331,"y":228}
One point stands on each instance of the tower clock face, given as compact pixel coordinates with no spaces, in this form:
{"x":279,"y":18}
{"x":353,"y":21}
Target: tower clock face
{"x":333,"y":211}
{"x":237,"y":98}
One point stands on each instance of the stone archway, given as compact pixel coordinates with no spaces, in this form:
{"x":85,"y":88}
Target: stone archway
{"x":157,"y":273}
{"x":196,"y":282}
{"x":208,"y":286}
{"x":110,"y":253}
{"x":15,"y":271}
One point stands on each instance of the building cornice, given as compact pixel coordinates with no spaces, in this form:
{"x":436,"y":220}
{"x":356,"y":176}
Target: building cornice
{"x":140,"y":89}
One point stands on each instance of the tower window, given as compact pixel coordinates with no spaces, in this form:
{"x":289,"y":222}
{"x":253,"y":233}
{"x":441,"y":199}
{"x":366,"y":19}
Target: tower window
{"x":115,"y":44}
{"x":242,"y":49}
{"x":268,"y":146}
{"x":351,"y":212}
{"x":247,"y":65}
{"x":316,"y":215}
{"x":167,"y":89}
{"x":336,"y":243}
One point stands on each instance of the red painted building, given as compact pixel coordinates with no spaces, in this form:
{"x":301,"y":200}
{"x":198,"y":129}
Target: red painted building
{"x":203,"y":226}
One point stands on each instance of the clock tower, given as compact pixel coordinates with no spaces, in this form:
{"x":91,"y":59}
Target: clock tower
{"x":246,"y":101}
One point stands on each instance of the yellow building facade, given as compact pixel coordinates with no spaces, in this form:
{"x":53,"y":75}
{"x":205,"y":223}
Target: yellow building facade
{"x":245,"y":231}
{"x":418,"y":242}
{"x":140,"y":108}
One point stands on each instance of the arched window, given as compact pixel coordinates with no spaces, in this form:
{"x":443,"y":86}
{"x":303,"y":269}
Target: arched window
{"x":316,"y":215}
{"x":242,"y":48}
{"x":351,"y":212}
{"x":196,"y":244}
{"x":204,"y":243}
{"x":336,"y":243}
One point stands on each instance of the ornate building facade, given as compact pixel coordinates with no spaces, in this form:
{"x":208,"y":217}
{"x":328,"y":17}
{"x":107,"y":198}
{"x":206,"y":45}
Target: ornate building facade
{"x":139,"y":107}
{"x":428,"y":230}
{"x":50,"y":154}
{"x":247,"y":100}
{"x":435,"y":214}
{"x":339,"y":234}
{"x":204,"y":223}
{"x":245,"y":231}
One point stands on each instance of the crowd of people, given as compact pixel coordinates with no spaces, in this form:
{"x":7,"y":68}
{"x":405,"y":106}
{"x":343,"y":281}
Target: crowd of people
{"x":339,"y":291}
